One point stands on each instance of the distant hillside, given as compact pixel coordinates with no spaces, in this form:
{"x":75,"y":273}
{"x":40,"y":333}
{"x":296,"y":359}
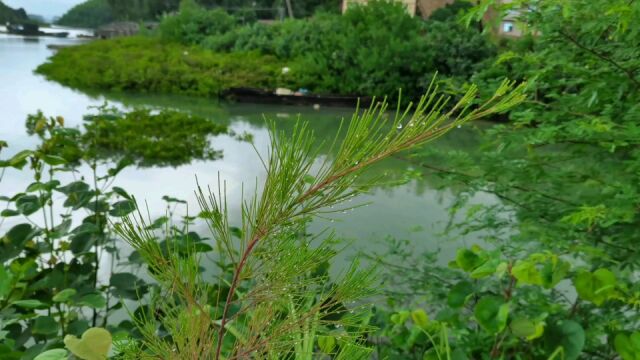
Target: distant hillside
{"x":8,"y":14}
{"x":89,"y":14}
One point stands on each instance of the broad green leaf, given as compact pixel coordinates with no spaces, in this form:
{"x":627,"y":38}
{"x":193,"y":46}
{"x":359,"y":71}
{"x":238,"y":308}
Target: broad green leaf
{"x":487,"y":268}
{"x":126,"y":281}
{"x":74,"y":187}
{"x":122,"y":192}
{"x":459,"y":294}
{"x":596,"y":287}
{"x":567,"y":334}
{"x":94,"y":301}
{"x":19,"y":234}
{"x":553,"y":271}
{"x":54,"y":354}
{"x":467,"y":260}
{"x":30,"y":304}
{"x":420,"y":318}
{"x":528,"y":329}
{"x":28,"y":204}
{"x":9,"y":213}
{"x":527,"y":273}
{"x":400,"y":317}
{"x":64,"y":295}
{"x":94,"y":344}
{"x":54,"y":160}
{"x":122,"y":208}
{"x":628,"y":345}
{"x":20,"y":159}
{"x":492,"y":313}
{"x":45,"y":325}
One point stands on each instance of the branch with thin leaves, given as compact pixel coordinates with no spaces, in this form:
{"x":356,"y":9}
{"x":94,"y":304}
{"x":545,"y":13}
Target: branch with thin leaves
{"x":283,"y":292}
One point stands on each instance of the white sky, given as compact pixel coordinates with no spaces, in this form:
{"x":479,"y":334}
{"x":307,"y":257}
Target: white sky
{"x":46,"y":8}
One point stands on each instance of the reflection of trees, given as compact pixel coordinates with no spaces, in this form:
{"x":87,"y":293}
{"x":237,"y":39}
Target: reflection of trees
{"x":405,"y":169}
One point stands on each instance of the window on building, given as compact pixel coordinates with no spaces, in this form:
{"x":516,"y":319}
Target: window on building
{"x":507,"y":27}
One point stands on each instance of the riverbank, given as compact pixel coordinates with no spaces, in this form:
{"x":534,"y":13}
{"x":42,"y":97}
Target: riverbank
{"x":209,"y":53}
{"x":149,"y":65}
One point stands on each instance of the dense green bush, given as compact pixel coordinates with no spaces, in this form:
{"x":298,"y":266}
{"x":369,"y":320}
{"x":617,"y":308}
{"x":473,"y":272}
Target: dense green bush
{"x":457,"y":50}
{"x":370,"y":50}
{"x":450,"y":11}
{"x":193,"y":23}
{"x":146,"y":64}
{"x":560,"y":279}
{"x":89,"y":14}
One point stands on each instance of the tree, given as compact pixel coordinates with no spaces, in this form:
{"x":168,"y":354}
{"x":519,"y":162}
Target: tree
{"x":89,"y":14}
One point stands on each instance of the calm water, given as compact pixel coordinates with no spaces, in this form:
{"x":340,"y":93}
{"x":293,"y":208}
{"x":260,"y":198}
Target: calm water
{"x":414,"y":211}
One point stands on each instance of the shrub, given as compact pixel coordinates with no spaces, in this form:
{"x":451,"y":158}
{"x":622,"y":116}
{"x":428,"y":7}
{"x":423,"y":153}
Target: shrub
{"x":146,"y":64}
{"x":193,"y":24}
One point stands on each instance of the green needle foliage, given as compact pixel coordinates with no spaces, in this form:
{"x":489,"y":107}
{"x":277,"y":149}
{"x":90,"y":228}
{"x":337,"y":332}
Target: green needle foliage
{"x":271,"y":299}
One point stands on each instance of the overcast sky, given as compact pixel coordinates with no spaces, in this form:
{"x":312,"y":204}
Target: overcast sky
{"x":46,"y":8}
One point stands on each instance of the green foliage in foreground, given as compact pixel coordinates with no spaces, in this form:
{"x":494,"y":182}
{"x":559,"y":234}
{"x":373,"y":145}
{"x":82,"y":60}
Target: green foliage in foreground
{"x":145,"y":64}
{"x":563,"y":240}
{"x":89,"y":14}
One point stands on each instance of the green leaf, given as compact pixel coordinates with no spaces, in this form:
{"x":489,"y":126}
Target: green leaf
{"x":55,"y":354}
{"x":19,"y":234}
{"x":628,"y":345}
{"x":492,"y":313}
{"x":54,"y":160}
{"x":30,"y":304}
{"x":5,"y":282}
{"x":553,"y":271}
{"x":122,"y":208}
{"x":93,"y":300}
{"x":527,"y":273}
{"x":28,"y":204}
{"x":74,"y":187}
{"x":120,"y":191}
{"x":468,"y":260}
{"x":420,"y":318}
{"x":568,"y":335}
{"x":78,"y":199}
{"x":125,"y":281}
{"x":400,"y":317}
{"x":64,"y":295}
{"x":20,"y":159}
{"x":525,"y":328}
{"x":93,"y":345}
{"x":45,"y":325}
{"x":487,"y":268}
{"x":596,"y":287}
{"x":9,"y":213}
